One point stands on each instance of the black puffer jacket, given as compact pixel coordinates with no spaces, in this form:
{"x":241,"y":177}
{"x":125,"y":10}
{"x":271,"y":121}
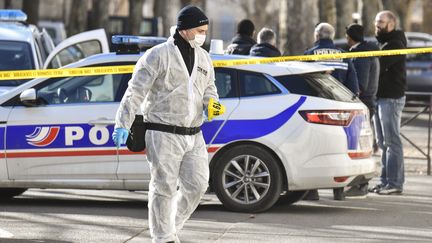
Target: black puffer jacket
{"x":392,"y":79}
{"x":241,"y":45}
{"x":264,"y":50}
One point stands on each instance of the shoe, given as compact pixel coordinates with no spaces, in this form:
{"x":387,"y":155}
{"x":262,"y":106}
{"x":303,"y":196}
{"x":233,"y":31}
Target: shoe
{"x":375,"y":148}
{"x":357,"y":191}
{"x":390,"y":190}
{"x":312,"y":196}
{"x":376,"y":188}
{"x":338,"y":194}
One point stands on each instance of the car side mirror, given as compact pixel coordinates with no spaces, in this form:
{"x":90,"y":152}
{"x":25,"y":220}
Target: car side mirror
{"x":28,"y":97}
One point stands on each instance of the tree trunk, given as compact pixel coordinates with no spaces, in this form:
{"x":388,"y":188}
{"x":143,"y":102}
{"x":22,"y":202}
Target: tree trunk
{"x":344,"y":10}
{"x":8,"y":4}
{"x":31,"y":8}
{"x":327,"y":11}
{"x":135,"y":16}
{"x":199,"y":3}
{"x":77,"y":17}
{"x":296,"y":31}
{"x":167,"y":11}
{"x":403,"y":10}
{"x":99,"y":15}
{"x":427,"y":16}
{"x":370,"y":9}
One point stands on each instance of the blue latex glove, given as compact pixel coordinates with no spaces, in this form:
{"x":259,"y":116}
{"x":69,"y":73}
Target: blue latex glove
{"x":119,"y":136}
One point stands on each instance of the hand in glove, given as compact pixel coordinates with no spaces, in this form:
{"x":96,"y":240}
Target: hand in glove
{"x":214,"y":109}
{"x":119,"y":136}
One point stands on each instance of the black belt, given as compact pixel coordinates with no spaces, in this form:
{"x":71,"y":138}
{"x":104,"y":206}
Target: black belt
{"x":172,"y":129}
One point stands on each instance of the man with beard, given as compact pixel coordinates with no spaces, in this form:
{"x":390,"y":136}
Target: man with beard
{"x":390,"y":102}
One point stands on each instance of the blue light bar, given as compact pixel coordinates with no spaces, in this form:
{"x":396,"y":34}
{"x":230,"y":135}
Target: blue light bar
{"x":137,"y":40}
{"x":12,"y":15}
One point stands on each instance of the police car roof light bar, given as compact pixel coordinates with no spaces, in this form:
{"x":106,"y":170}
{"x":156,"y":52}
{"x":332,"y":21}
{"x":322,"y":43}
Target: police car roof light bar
{"x":148,"y":41}
{"x":15,"y":15}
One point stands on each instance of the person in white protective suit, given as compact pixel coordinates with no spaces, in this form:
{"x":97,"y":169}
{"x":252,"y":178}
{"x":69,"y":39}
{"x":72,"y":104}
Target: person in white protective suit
{"x":174,"y":81}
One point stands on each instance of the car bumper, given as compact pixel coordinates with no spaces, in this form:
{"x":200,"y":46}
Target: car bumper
{"x":321,"y":172}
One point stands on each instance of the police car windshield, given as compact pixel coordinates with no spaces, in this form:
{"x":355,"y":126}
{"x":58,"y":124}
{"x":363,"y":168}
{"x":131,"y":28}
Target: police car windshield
{"x":14,"y":55}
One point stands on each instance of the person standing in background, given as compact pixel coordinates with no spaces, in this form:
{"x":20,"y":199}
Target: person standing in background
{"x":266,"y":46}
{"x":344,"y":72}
{"x":243,"y":41}
{"x":390,"y":103}
{"x":367,"y":69}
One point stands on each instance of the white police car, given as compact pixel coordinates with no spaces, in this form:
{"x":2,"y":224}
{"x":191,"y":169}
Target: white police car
{"x":288,"y":128}
{"x":24,"y":47}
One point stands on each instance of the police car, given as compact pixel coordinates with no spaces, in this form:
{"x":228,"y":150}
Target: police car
{"x":23,"y":46}
{"x":288,"y":128}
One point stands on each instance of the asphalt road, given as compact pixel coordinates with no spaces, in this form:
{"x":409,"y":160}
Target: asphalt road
{"x":119,"y":216}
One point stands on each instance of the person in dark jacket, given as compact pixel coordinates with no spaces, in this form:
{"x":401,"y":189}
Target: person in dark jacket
{"x":344,"y":72}
{"x":367,"y":69}
{"x":390,"y":103}
{"x":266,"y":46}
{"x":243,"y":41}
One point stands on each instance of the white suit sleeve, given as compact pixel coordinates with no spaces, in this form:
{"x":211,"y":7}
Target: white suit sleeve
{"x":142,"y":80}
{"x":211,"y":90}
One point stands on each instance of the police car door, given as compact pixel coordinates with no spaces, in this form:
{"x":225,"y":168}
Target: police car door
{"x":66,"y":134}
{"x":78,"y":47}
{"x":227,"y":86}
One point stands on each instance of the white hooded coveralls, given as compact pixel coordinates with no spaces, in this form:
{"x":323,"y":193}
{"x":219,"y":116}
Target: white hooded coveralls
{"x":161,"y":80}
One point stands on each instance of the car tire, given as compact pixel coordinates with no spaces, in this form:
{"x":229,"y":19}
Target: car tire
{"x":8,"y":193}
{"x":291,"y":197}
{"x":254,"y":189}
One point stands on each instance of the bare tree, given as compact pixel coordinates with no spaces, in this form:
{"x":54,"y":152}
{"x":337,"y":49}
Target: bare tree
{"x":427,"y":16}
{"x":369,"y":11}
{"x":403,"y":9}
{"x":135,"y":16}
{"x":99,"y":17}
{"x":199,"y":3}
{"x":166,"y":10}
{"x":344,"y":10}
{"x":77,"y":17}
{"x":261,"y":12}
{"x":31,"y":8}
{"x":327,"y":11}
{"x":295,"y":31}
{"x":7,"y":4}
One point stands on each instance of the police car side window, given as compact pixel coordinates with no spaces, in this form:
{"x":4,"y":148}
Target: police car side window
{"x":226,"y":82}
{"x":255,"y":84}
{"x":75,"y":53}
{"x":101,"y":88}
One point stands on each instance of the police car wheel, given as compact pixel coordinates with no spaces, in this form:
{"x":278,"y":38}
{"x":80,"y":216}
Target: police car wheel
{"x":247,"y":179}
{"x":8,"y":193}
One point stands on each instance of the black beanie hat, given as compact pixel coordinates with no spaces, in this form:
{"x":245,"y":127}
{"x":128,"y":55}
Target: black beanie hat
{"x":355,"y":32}
{"x":245,"y":27}
{"x":190,"y":17}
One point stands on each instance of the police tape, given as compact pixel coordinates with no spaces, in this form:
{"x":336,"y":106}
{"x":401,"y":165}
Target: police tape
{"x":237,"y":62}
{"x":65,"y":72}
{"x":90,"y":71}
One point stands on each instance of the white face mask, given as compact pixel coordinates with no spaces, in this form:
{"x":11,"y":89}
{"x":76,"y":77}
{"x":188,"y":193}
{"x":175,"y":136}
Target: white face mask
{"x":198,"y":41}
